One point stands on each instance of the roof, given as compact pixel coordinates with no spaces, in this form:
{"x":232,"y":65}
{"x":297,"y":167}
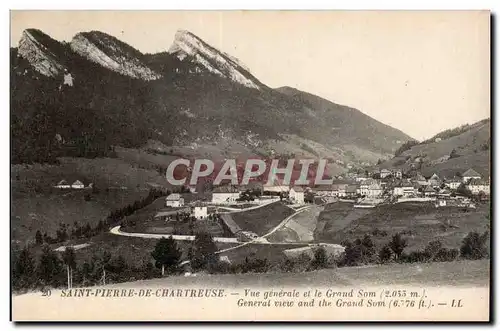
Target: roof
{"x":77,"y":182}
{"x":454,"y":179}
{"x":298,"y":189}
{"x":477,"y":181}
{"x":63,"y":182}
{"x":404,"y":183}
{"x":173,"y":197}
{"x":429,"y":189}
{"x":471,"y":173}
{"x":225,"y":189}
{"x":385,"y":170}
{"x":324,"y":188}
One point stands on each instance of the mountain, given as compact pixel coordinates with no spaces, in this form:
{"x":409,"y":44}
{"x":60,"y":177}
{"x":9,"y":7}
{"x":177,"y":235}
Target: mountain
{"x":187,"y":45}
{"x":448,"y":152}
{"x":112,"y":54}
{"x":84,"y":97}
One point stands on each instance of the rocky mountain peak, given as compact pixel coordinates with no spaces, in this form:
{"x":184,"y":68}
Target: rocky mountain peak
{"x":189,"y":47}
{"x":35,"y":47}
{"x":112,"y":54}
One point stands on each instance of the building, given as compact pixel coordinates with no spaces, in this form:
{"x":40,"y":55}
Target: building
{"x":385,"y":173}
{"x":397,"y":173}
{"x":62,"y":184}
{"x":453,"y":183}
{"x":470,"y":174}
{"x":225,"y":195}
{"x":404,"y":189}
{"x":76,"y":184}
{"x":434,"y":180}
{"x":296,"y":194}
{"x":370,"y":188}
{"x":478,"y":185}
{"x":174,"y":200}
{"x":200,"y":212}
{"x":429,"y":191}
{"x":326,"y":190}
{"x":351,"y":191}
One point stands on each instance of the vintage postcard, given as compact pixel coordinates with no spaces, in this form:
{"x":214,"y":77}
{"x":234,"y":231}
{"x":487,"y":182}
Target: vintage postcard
{"x":250,"y":165}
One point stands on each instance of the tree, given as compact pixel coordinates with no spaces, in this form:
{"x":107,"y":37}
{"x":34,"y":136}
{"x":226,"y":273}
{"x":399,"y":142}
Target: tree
{"x":352,"y":253}
{"x":398,"y":244}
{"x":474,"y":246}
{"x":367,"y":248}
{"x":166,"y":254}
{"x":454,"y":154}
{"x":23,"y":269}
{"x":69,"y":260}
{"x":38,"y":238}
{"x":320,"y":260}
{"x":49,"y":267}
{"x":101,"y":263}
{"x":432,"y":249}
{"x":204,"y":249}
{"x":385,"y":254}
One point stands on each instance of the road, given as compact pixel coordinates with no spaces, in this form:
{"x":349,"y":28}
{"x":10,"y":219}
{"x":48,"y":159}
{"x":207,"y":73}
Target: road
{"x":116,"y":230}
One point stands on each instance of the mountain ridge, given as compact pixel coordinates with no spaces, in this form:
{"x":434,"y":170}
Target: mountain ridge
{"x":177,"y":100}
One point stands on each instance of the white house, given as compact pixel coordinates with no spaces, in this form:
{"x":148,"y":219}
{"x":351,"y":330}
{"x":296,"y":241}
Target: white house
{"x":434,"y":180}
{"x":385,"y":173}
{"x":470,"y":174}
{"x":225,"y":195}
{"x":200,"y":212}
{"x":453,"y":183}
{"x":174,"y":200}
{"x":404,"y":189}
{"x":297,"y":194}
{"x":63,"y":184}
{"x":370,"y":188}
{"x":77,"y":184}
{"x":326,"y":190}
{"x":479,"y":185}
{"x":429,"y":191}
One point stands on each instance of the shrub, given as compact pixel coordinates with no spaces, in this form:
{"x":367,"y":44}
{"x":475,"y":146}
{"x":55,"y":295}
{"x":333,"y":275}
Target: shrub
{"x":474,"y":246}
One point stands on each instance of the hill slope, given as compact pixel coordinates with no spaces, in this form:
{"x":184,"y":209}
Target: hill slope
{"x":449,"y":152}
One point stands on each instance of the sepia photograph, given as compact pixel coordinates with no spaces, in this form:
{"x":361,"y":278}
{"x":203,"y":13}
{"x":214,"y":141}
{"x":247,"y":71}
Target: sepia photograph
{"x":250,"y":166}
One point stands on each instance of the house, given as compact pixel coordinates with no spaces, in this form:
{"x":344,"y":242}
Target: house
{"x":326,"y":190}
{"x":385,"y":173}
{"x":360,"y":178}
{"x":199,"y":211}
{"x":478,"y":185}
{"x":225,"y":194}
{"x":297,"y":194}
{"x":421,"y":180}
{"x":174,"y":200}
{"x":63,"y":184}
{"x":445,"y":192}
{"x":397,"y":173}
{"x":453,"y":183}
{"x":351,"y":191}
{"x":470,"y":174}
{"x":404,"y":188}
{"x":429,"y":191}
{"x":76,"y":184}
{"x":370,"y":188}
{"x":434,"y":180}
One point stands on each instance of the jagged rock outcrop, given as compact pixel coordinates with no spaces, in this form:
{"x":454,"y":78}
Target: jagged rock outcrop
{"x":112,"y":54}
{"x":187,"y":46}
{"x":32,"y":47}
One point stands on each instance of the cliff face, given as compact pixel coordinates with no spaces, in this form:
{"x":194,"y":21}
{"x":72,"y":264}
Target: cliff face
{"x":32,"y":47}
{"x":187,"y":46}
{"x":112,"y":54}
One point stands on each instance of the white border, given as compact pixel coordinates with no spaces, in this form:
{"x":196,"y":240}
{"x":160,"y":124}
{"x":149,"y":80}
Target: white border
{"x":200,"y":4}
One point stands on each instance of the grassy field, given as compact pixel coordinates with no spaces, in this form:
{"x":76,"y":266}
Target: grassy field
{"x":419,"y":223}
{"x":458,"y":273}
{"x":44,"y":211}
{"x":262,"y":220}
{"x":300,"y":227}
{"x":273,"y":253}
{"x":335,"y":217}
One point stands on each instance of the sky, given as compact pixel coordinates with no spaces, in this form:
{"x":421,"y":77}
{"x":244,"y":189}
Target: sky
{"x":420,"y":72}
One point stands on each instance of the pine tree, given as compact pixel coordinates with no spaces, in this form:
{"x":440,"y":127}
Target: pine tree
{"x":38,"y":238}
{"x":166,"y":254}
{"x":398,"y":244}
{"x":23,"y":269}
{"x":204,"y":249}
{"x":49,"y":267}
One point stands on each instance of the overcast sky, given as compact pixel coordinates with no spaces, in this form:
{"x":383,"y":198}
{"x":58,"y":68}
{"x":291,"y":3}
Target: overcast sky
{"x":420,"y":72}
